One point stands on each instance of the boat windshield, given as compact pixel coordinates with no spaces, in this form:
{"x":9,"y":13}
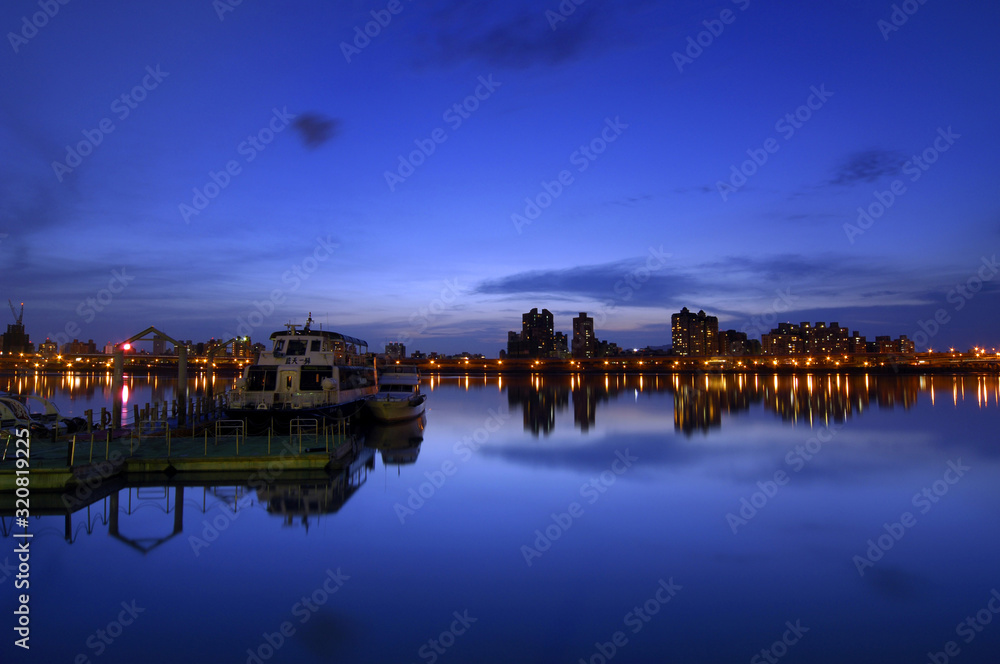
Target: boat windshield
{"x":396,"y":388}
{"x":296,"y":347}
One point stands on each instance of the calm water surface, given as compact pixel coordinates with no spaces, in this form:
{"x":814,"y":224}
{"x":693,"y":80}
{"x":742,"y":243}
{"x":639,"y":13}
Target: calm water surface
{"x":553,"y":519}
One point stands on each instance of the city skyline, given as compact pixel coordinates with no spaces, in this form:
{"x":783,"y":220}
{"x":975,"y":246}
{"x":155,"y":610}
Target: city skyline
{"x":427,"y":173}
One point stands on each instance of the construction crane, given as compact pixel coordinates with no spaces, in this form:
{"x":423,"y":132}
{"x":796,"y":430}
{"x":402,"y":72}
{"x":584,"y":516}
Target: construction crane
{"x":17,"y":316}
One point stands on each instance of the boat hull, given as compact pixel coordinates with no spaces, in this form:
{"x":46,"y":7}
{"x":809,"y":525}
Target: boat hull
{"x":280,"y":419}
{"x":396,"y":410}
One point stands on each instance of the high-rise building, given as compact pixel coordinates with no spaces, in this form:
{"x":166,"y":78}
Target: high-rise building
{"x":694,"y":334}
{"x":731,"y":342}
{"x":16,"y":341}
{"x":821,"y":339}
{"x":584,"y":342}
{"x":537,"y":337}
{"x":395,"y":350}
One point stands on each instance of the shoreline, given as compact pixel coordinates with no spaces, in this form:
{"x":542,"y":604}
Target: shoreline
{"x":924,"y":363}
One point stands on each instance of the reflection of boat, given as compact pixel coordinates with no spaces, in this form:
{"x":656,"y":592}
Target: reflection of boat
{"x":307,"y":374}
{"x":400,"y":442}
{"x":311,"y":499}
{"x":398,"y":396}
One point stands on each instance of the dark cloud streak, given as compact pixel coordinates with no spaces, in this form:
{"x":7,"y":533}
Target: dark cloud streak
{"x":868,"y":166}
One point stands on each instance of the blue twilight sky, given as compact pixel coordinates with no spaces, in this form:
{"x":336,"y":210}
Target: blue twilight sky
{"x":212,"y":169}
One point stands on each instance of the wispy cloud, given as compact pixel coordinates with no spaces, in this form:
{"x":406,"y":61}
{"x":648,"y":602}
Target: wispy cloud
{"x":868,"y":166}
{"x":606,"y":282}
{"x":521,"y":35}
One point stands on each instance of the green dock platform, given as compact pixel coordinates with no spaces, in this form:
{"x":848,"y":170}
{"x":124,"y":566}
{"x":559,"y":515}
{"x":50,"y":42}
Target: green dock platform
{"x":219,"y":448}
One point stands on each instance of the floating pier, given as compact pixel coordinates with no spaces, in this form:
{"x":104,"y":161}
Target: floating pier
{"x":219,"y":447}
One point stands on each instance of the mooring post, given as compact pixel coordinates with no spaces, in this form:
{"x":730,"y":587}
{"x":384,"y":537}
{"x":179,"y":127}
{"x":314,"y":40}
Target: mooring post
{"x":182,"y":383}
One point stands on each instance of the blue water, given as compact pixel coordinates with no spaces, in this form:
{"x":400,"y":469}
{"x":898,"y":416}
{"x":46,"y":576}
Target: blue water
{"x":555,"y":519}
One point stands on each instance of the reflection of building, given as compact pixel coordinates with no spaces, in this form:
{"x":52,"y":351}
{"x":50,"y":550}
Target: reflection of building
{"x":585,"y":400}
{"x":539,"y":405}
{"x":697,"y":409}
{"x":537,"y":338}
{"x":694,"y":334}
{"x":702,"y":399}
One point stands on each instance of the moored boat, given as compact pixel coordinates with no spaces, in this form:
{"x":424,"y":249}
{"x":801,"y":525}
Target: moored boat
{"x":398,"y":397}
{"x":307,"y":374}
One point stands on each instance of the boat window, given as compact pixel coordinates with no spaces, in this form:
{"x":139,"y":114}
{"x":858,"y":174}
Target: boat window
{"x":356,"y":377}
{"x":261,"y":380}
{"x":311,"y":378}
{"x":296,"y":347}
{"x":279,"y":345}
{"x":314,"y":346}
{"x":288,"y":381}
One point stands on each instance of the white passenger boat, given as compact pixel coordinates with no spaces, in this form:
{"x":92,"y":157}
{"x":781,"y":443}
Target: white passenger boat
{"x":398,"y":396}
{"x":307,"y":374}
